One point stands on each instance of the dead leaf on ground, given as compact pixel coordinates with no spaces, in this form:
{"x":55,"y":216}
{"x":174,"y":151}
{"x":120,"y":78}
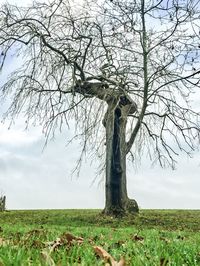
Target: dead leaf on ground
{"x":65,"y":239}
{"x":138,"y":238}
{"x":54,"y":244}
{"x":68,"y":238}
{"x":102,"y":253}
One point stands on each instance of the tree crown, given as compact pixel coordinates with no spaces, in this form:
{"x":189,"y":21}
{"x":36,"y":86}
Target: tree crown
{"x":75,"y":59}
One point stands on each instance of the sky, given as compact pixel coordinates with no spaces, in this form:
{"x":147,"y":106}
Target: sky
{"x":35,"y":178}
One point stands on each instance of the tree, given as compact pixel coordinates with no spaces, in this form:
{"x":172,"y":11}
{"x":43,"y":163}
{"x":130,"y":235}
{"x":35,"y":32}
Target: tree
{"x":134,"y":65}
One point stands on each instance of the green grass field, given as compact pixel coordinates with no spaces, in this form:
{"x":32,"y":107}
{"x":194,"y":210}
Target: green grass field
{"x":82,"y":237}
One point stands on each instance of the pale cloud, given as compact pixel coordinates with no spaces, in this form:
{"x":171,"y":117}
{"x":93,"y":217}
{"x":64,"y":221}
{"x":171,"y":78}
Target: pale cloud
{"x":33,"y":179}
{"x":166,"y":188}
{"x":17,"y":137}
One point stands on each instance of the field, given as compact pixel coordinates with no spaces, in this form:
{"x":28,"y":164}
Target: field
{"x":85,"y":237}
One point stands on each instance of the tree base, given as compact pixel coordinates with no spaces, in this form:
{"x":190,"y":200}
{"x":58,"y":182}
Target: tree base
{"x":129,"y":208}
{"x":132,"y":206}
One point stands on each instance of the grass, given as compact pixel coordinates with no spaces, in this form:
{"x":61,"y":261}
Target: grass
{"x":154,"y":237}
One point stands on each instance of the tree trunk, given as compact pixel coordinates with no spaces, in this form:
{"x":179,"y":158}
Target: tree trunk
{"x":2,"y":203}
{"x":117,"y":201}
{"x":120,"y":105}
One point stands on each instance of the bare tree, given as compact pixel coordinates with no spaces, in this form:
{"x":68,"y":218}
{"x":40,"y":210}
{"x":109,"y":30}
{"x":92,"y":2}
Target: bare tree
{"x":132,"y":65}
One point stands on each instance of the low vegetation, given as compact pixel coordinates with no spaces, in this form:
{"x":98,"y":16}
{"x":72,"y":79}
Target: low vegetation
{"x":85,"y":237}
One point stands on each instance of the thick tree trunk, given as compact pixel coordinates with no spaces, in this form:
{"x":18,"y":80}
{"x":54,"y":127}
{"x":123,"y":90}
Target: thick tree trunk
{"x":120,"y":105}
{"x":117,"y":201}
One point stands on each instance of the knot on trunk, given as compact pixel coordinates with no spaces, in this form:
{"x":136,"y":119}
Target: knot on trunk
{"x":125,"y":106}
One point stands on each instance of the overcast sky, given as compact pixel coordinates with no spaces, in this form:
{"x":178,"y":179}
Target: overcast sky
{"x":34,"y":179}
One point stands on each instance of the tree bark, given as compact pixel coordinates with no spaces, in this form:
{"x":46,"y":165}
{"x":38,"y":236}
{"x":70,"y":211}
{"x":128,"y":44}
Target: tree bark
{"x":117,"y":201}
{"x":120,"y":105}
{"x":2,"y":203}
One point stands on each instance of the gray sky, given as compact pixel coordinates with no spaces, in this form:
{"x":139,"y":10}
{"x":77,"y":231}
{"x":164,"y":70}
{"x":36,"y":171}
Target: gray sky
{"x":34,"y":179}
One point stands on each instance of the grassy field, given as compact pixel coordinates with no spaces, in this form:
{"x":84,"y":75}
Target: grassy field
{"x":85,"y":237}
